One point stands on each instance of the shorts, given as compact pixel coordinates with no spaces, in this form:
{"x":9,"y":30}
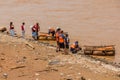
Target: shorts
{"x":61,"y":45}
{"x":34,"y":34}
{"x":12,"y":32}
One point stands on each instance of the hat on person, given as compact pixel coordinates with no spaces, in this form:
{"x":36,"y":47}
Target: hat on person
{"x":58,"y":28}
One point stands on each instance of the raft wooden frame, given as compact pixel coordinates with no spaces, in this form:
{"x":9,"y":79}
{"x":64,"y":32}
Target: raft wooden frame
{"x":105,"y":50}
{"x":45,"y":36}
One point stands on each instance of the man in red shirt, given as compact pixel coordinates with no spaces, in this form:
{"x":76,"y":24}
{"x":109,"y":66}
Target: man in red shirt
{"x":23,"y":29}
{"x":37,"y":29}
{"x":12,"y":29}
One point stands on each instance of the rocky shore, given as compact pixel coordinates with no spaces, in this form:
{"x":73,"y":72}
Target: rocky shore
{"x":25,"y":59}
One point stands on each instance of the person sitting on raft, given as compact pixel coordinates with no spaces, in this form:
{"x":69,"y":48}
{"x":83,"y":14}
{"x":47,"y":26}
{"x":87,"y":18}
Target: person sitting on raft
{"x":51,"y":30}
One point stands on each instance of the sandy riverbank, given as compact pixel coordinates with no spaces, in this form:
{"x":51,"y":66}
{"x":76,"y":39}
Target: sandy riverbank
{"x":18,"y":61}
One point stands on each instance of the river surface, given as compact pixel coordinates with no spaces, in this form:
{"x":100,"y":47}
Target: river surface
{"x":91,"y":22}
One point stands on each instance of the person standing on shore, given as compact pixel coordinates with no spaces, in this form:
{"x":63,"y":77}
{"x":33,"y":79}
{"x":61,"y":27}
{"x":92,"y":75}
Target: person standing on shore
{"x":61,"y":40}
{"x":37,"y":29}
{"x":12,"y":32}
{"x":34,"y":32}
{"x":23,"y":29}
{"x":57,"y":39}
{"x":66,"y":42}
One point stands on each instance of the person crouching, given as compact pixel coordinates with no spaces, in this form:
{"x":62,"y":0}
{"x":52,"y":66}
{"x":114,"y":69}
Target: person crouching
{"x":74,"y":48}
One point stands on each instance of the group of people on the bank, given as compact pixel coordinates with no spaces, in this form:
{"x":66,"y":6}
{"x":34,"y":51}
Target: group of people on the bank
{"x":63,"y":42}
{"x":62,"y":38}
{"x":12,"y":31}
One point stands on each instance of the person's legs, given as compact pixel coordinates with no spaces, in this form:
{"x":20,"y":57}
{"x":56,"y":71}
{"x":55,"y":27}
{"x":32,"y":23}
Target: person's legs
{"x":23,"y":34}
{"x":62,"y":46}
{"x":37,"y":37}
{"x":34,"y":35}
{"x":58,"y":46}
{"x":67,"y":46}
{"x":78,"y":49}
{"x":12,"y":32}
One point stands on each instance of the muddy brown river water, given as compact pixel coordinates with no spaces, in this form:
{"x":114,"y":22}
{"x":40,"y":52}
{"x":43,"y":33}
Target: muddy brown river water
{"x":91,"y":22}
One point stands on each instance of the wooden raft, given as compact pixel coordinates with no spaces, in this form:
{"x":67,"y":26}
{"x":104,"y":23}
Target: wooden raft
{"x":100,"y":50}
{"x":45,"y":36}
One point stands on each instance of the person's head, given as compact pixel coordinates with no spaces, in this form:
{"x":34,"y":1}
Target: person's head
{"x":76,"y":42}
{"x":11,"y":23}
{"x":37,"y":24}
{"x":61,"y":31}
{"x":66,"y":35}
{"x":58,"y":30}
{"x":23,"y":23}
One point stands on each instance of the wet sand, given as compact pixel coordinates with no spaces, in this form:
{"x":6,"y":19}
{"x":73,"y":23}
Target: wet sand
{"x":92,"y":22}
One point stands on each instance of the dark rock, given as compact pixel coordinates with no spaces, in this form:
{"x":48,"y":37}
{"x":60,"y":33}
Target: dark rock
{"x":2,"y":58}
{"x":82,"y":78}
{"x":118,"y":75}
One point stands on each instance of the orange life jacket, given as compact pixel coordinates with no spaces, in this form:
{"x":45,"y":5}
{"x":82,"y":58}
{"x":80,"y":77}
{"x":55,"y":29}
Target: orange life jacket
{"x":73,"y":45}
{"x":61,"y":39}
